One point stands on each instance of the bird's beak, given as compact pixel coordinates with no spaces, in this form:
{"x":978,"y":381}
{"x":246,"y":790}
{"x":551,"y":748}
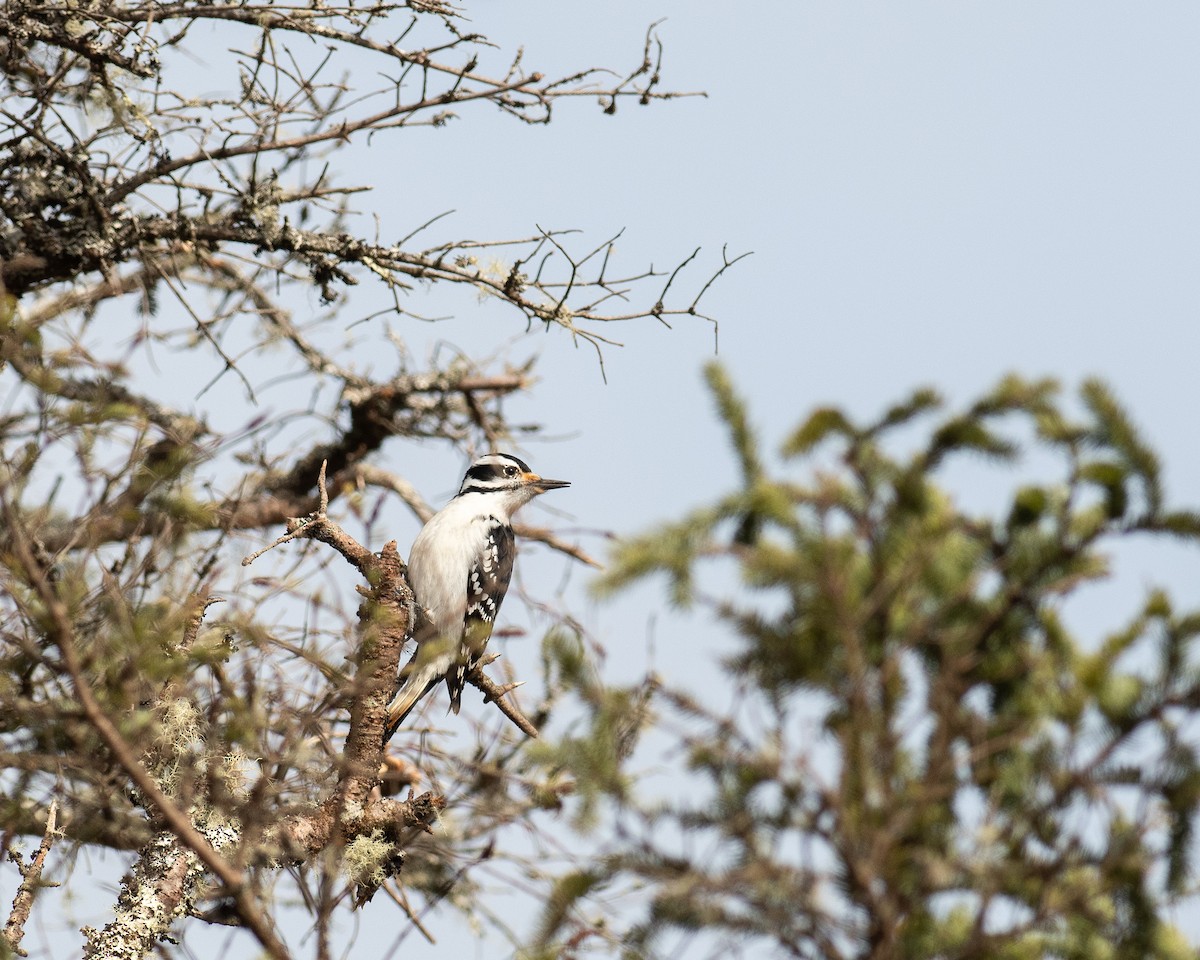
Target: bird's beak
{"x":543,"y":485}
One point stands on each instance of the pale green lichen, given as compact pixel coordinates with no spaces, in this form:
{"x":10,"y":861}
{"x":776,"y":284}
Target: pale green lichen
{"x":232,"y":771}
{"x":180,"y":726}
{"x":367,"y":859}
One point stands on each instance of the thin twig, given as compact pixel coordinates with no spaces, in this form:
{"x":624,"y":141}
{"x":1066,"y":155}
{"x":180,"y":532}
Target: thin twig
{"x":299,"y":526}
{"x":494,"y":693}
{"x":31,"y":882}
{"x":192,"y":628}
{"x":401,"y":899}
{"x":544,"y":535}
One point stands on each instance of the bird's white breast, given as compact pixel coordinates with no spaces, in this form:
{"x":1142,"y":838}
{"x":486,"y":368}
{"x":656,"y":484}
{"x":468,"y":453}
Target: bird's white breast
{"x":441,"y":558}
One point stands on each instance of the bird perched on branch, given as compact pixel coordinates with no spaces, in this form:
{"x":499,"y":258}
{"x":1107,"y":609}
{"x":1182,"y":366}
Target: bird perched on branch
{"x":459,"y":568}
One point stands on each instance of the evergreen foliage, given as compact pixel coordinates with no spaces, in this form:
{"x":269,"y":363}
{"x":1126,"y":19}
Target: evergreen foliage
{"x":922,"y":759}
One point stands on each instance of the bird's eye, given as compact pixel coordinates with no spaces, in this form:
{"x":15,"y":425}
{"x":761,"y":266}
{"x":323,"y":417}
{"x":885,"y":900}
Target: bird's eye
{"x":510,"y":471}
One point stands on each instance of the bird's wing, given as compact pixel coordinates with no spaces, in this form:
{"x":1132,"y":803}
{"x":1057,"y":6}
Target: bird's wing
{"x":486,"y":585}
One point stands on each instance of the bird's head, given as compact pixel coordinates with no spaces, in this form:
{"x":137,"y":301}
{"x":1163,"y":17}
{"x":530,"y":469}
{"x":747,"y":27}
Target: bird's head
{"x":508,"y":476}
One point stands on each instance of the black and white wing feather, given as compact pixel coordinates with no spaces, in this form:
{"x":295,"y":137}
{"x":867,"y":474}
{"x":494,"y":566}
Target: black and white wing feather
{"x":487,"y":584}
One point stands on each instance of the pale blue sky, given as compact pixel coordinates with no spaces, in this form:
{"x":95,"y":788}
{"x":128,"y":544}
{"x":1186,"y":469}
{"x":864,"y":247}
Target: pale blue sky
{"x":934,"y":193}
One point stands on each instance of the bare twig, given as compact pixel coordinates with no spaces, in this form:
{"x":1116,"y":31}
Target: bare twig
{"x":300,"y":526}
{"x":192,"y":628}
{"x":377,"y":477}
{"x":31,"y":882}
{"x":400,"y":898}
{"x":494,"y":693}
{"x":554,"y":542}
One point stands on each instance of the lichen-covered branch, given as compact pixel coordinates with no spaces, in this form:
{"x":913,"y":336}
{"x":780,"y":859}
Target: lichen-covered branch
{"x":166,"y":880}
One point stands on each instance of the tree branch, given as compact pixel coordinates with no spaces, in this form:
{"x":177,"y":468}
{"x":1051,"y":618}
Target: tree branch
{"x":383,"y":628}
{"x":494,"y":693}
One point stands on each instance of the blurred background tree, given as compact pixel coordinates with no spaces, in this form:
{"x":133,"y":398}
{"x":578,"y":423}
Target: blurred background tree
{"x":921,"y":759}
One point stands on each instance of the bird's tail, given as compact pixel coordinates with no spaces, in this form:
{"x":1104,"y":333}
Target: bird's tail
{"x":416,"y":680}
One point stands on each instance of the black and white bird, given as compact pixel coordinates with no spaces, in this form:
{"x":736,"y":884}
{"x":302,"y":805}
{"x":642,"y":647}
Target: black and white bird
{"x":459,"y":568}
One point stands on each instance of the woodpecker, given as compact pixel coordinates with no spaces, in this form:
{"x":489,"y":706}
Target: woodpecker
{"x":459,"y":568}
